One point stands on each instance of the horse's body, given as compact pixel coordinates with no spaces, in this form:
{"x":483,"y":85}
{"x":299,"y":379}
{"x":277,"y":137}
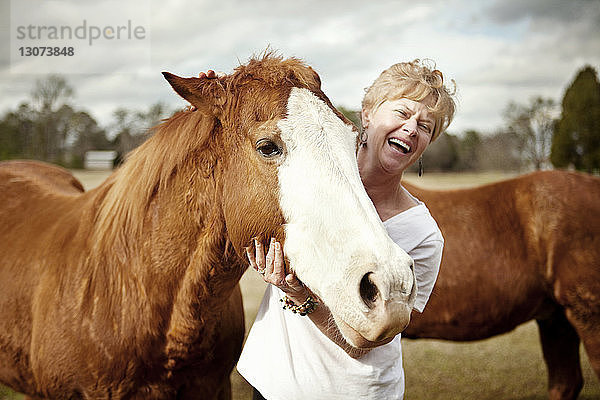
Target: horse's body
{"x":523,"y":249}
{"x":93,"y":333}
{"x":131,"y":290}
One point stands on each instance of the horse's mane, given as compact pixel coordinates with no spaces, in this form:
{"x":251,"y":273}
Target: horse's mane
{"x":147,"y":170}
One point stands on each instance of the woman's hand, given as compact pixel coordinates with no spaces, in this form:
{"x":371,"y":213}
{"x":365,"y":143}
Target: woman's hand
{"x":210,"y":74}
{"x":272,"y":267}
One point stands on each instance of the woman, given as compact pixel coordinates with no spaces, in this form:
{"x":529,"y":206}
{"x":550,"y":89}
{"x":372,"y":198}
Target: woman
{"x":292,"y":356}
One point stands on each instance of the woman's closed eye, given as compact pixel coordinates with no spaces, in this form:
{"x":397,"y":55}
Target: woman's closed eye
{"x":425,"y":127}
{"x":403,"y":113}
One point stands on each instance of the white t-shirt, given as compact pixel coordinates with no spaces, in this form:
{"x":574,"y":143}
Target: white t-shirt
{"x":286,"y":357}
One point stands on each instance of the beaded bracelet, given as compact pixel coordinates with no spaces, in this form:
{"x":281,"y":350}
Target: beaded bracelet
{"x":303,"y":309}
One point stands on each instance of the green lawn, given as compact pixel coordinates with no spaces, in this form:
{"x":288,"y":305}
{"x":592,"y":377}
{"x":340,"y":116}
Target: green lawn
{"x":509,"y":366}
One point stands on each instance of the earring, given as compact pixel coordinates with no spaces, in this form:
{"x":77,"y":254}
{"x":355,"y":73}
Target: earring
{"x":363,"y":136}
{"x":420,"y":166}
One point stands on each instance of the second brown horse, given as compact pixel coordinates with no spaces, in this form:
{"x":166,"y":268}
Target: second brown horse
{"x":523,"y":249}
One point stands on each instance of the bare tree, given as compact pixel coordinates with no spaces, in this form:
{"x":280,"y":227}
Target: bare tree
{"x":50,"y":92}
{"x":533,"y":126}
{"x":49,"y":99}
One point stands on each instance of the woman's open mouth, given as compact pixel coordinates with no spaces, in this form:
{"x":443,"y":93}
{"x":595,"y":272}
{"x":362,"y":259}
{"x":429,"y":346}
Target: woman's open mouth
{"x":399,"y":145}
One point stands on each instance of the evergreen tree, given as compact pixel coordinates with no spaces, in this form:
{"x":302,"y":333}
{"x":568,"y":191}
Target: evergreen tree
{"x":16,"y":133}
{"x":576,"y":140}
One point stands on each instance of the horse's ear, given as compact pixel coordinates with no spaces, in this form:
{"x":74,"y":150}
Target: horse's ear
{"x":207,"y":95}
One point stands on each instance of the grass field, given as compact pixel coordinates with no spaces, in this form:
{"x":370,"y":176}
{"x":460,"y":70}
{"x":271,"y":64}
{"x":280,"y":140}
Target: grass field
{"x":509,"y":366}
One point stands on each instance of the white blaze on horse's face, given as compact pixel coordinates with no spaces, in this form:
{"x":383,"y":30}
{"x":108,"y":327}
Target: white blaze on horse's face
{"x":334,"y":239}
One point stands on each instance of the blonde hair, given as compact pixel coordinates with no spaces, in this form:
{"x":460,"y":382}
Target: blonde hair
{"x":416,"y":80}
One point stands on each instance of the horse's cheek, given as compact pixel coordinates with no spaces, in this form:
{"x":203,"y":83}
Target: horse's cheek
{"x":251,"y":206}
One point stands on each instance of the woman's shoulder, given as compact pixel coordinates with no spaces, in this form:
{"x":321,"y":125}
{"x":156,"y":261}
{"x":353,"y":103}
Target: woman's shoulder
{"x":417,"y":217}
{"x":413,"y":227}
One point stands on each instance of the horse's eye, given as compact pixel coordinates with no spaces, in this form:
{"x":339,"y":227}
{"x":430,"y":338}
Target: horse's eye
{"x":267,"y":148}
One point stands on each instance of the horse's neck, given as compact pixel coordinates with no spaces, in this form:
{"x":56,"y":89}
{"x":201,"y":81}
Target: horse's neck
{"x":181,"y":258}
{"x":212,"y":269}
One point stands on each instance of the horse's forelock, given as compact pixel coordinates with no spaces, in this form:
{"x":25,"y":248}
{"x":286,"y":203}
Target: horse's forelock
{"x":275,"y":72}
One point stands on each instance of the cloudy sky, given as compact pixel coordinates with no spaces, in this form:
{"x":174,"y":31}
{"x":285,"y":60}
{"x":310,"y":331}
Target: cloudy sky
{"x":496,"y":50}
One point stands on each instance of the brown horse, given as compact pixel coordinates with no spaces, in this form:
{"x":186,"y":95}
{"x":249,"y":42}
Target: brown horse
{"x":527,"y":248}
{"x":131,"y":290}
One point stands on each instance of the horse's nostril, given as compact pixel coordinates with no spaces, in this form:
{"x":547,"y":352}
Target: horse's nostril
{"x":368,"y":290}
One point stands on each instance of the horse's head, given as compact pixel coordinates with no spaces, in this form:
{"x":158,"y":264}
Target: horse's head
{"x":287,"y":165}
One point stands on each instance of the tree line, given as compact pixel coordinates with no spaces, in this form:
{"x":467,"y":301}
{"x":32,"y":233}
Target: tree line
{"x":49,"y":127}
{"x":538,"y":134}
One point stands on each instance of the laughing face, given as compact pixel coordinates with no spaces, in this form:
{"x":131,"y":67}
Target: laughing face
{"x":398,"y":132}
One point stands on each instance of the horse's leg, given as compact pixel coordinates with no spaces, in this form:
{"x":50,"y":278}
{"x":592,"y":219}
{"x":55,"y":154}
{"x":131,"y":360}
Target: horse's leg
{"x":225,"y":390}
{"x":587,"y":325}
{"x":560,"y":345}
{"x":206,"y":390}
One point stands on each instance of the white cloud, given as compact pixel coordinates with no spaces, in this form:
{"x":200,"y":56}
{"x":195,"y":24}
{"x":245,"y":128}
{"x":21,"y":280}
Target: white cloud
{"x":497,"y":51}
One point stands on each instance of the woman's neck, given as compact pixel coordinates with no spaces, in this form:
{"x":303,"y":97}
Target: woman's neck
{"x":385,"y":191}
